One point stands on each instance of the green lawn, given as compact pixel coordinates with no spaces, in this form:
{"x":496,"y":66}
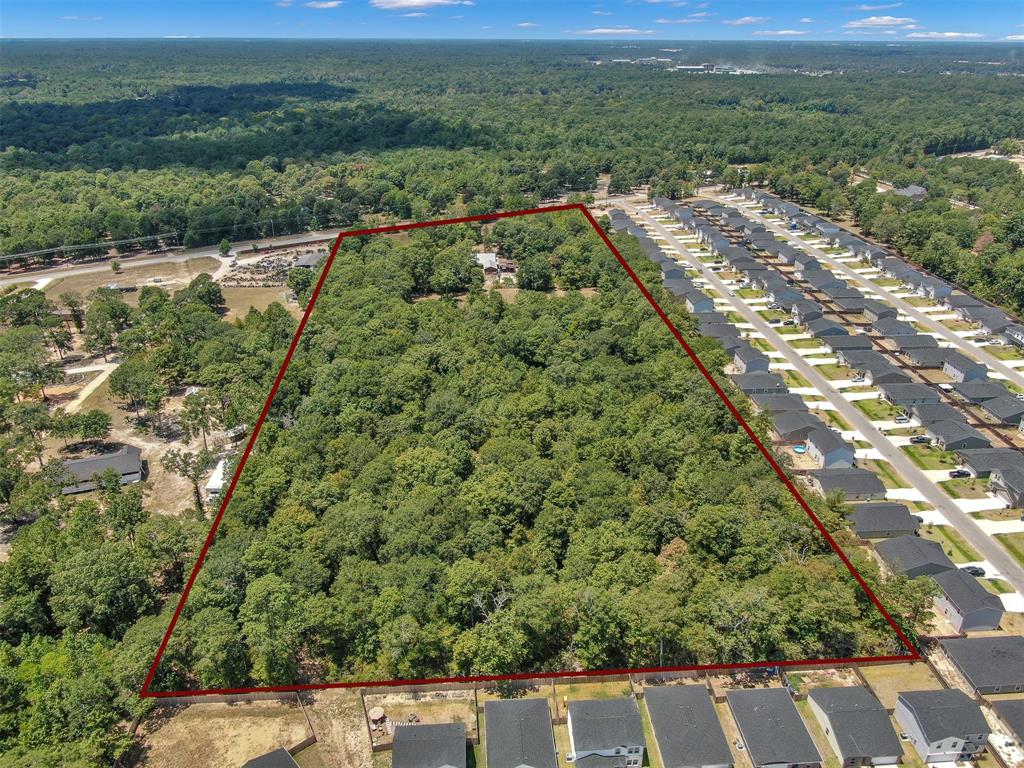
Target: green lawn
{"x":886,"y":282}
{"x":884,"y":471}
{"x":1004,"y":353}
{"x":965,"y":487}
{"x":794,"y":379}
{"x":750,"y":293}
{"x":920,"y":301}
{"x":1014,"y":543}
{"x":953,"y":543}
{"x":929,"y":457}
{"x":877,"y":410}
{"x":761,"y":344}
{"x":773,"y":314}
{"x":805,"y":343}
{"x":833,"y":371}
{"x":833,"y":419}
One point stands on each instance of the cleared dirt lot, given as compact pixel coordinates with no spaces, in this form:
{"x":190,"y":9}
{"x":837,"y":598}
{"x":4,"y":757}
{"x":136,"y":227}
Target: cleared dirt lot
{"x":173,"y":277}
{"x":888,"y":680}
{"x":220,"y":735}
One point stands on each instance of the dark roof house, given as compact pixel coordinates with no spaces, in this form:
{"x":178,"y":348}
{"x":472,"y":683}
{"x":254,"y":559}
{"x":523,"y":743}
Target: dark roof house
{"x":914,"y":556}
{"x":519,"y":734}
{"x":606,"y":733}
{"x":966,"y":604}
{"x":279,"y":758}
{"x":686,"y":727}
{"x":943,"y":726}
{"x":856,"y":725}
{"x":856,"y":484}
{"x":989,"y":664}
{"x":883,"y":521}
{"x":772,"y":729}
{"x":126,"y":462}
{"x":440,"y":745}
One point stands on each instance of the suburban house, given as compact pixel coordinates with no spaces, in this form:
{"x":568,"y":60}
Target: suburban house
{"x":1008,"y":484}
{"x":981,"y":461}
{"x":837,"y":344}
{"x":956,"y":435}
{"x":793,"y":427}
{"x":928,"y":357}
{"x":750,"y":360}
{"x":679,"y":287}
{"x":760,"y":383}
{"x":856,"y":484}
{"x":913,"y":191}
{"x":890,"y":327}
{"x":824,"y":327}
{"x":883,"y":374}
{"x":914,"y":556}
{"x":1014,"y":334}
{"x":606,"y":733}
{"x":856,"y":726}
{"x":126,"y":462}
{"x":829,"y":450}
{"x":875,"y":310}
{"x":696,"y":301}
{"x":956,"y":300}
{"x":930,"y":413}
{"x":1005,"y":410}
{"x":989,"y":664}
{"x":440,"y":745}
{"x":718,"y":330}
{"x":279,"y":758}
{"x":772,"y":729}
{"x":965,"y":603}
{"x":687,"y":731}
{"x":961,"y":368}
{"x":1012,"y":714}
{"x":906,"y":395}
{"x":979,"y":391}
{"x":883,"y":521}
{"x":944,"y":726}
{"x":806,"y":310}
{"x":519,"y":734}
{"x":906,"y":343}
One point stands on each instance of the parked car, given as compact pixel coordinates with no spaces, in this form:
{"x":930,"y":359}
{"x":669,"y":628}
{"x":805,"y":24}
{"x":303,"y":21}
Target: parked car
{"x":774,"y":321}
{"x":921,"y":440}
{"x":857,"y":379}
{"x":789,"y":322}
{"x":901,"y":419}
{"x":958,"y":473}
{"x":973,"y":570}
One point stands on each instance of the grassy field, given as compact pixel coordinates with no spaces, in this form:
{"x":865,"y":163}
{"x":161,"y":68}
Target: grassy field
{"x":773,"y":314}
{"x":749,"y":293}
{"x":929,"y":457}
{"x":884,"y":471}
{"x":173,"y":276}
{"x":1003,"y":352}
{"x":833,"y":371}
{"x":761,"y":344}
{"x":888,"y":680}
{"x":877,"y":410}
{"x":1014,"y":543}
{"x":965,"y":488}
{"x":952,"y":542}
{"x":805,"y":343}
{"x":794,"y":379}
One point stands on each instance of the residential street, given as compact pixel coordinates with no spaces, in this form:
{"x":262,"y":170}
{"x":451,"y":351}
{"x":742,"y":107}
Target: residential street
{"x":972,"y":350}
{"x":930,"y":492}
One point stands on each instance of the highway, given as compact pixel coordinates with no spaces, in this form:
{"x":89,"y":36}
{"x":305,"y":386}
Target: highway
{"x":986,"y":546}
{"x":241,"y":248}
{"x":970,"y":349}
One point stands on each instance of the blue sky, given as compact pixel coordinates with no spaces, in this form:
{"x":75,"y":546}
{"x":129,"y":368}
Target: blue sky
{"x":984,"y":20}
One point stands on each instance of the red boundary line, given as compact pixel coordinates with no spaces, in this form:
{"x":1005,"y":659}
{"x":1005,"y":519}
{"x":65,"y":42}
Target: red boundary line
{"x":912,"y":655}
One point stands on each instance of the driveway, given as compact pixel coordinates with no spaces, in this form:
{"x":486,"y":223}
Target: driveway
{"x":923,"y":486}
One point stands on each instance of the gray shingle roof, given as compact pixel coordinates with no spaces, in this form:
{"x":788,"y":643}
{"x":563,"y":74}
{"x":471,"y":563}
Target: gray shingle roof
{"x":779,"y":403}
{"x":978,"y":391}
{"x":859,"y":722}
{"x":771,"y":726}
{"x":945,"y":713}
{"x":929,"y":413}
{"x":950,"y":431}
{"x":914,"y":342}
{"x":869,"y":519}
{"x":606,"y":723}
{"x":965,"y":593}
{"x":913,"y":555}
{"x":686,"y":726}
{"x":1012,"y":713}
{"x":279,"y":758}
{"x":519,"y":734}
{"x":440,"y":745}
{"x":1007,"y":409}
{"x":852,"y":480}
{"x":988,"y":661}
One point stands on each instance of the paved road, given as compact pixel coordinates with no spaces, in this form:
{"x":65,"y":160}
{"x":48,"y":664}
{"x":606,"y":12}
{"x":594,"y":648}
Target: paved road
{"x":986,"y":546}
{"x":972,"y":350}
{"x":174,"y":257}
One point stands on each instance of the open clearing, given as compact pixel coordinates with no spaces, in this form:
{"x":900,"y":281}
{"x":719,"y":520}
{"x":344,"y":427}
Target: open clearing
{"x":173,"y":276}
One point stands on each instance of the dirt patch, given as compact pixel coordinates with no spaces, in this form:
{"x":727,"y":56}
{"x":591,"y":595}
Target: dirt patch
{"x":172,"y":276}
{"x":340,"y":727}
{"x":240,"y":300}
{"x":220,"y":735}
{"x":887,"y":680}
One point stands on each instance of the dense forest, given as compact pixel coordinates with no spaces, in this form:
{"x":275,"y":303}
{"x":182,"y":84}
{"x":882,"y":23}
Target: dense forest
{"x":487,"y":487}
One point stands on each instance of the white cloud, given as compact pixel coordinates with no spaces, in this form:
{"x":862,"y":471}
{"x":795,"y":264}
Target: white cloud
{"x":414,"y":15}
{"x":747,"y":20}
{"x":527,"y":24}
{"x":806,"y":20}
{"x":611,"y":31}
{"x":781,"y":32}
{"x":702,"y":15}
{"x":882,"y":7}
{"x":284,"y":3}
{"x":1014,"y":37}
{"x":403,"y":5}
{"x":81,"y":18}
{"x":322,"y":4}
{"x":944,"y":35}
{"x":602,"y":13}
{"x":879,"y":22}
{"x":679,"y":21}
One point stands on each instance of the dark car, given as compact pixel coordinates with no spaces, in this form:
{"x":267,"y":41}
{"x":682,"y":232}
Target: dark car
{"x":921,"y":440}
{"x":955,"y":473}
{"x":789,"y":322}
{"x":973,"y":570}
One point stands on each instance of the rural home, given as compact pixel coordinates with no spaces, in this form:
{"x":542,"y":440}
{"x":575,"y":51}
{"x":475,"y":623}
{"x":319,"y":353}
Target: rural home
{"x":126,"y":462}
{"x":606,"y":733}
{"x":441,"y":745}
{"x":856,"y":726}
{"x":989,"y":664}
{"x":772,"y":729}
{"x":944,"y":726}
{"x":687,"y":732}
{"x":965,"y":603}
{"x":519,"y":734}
